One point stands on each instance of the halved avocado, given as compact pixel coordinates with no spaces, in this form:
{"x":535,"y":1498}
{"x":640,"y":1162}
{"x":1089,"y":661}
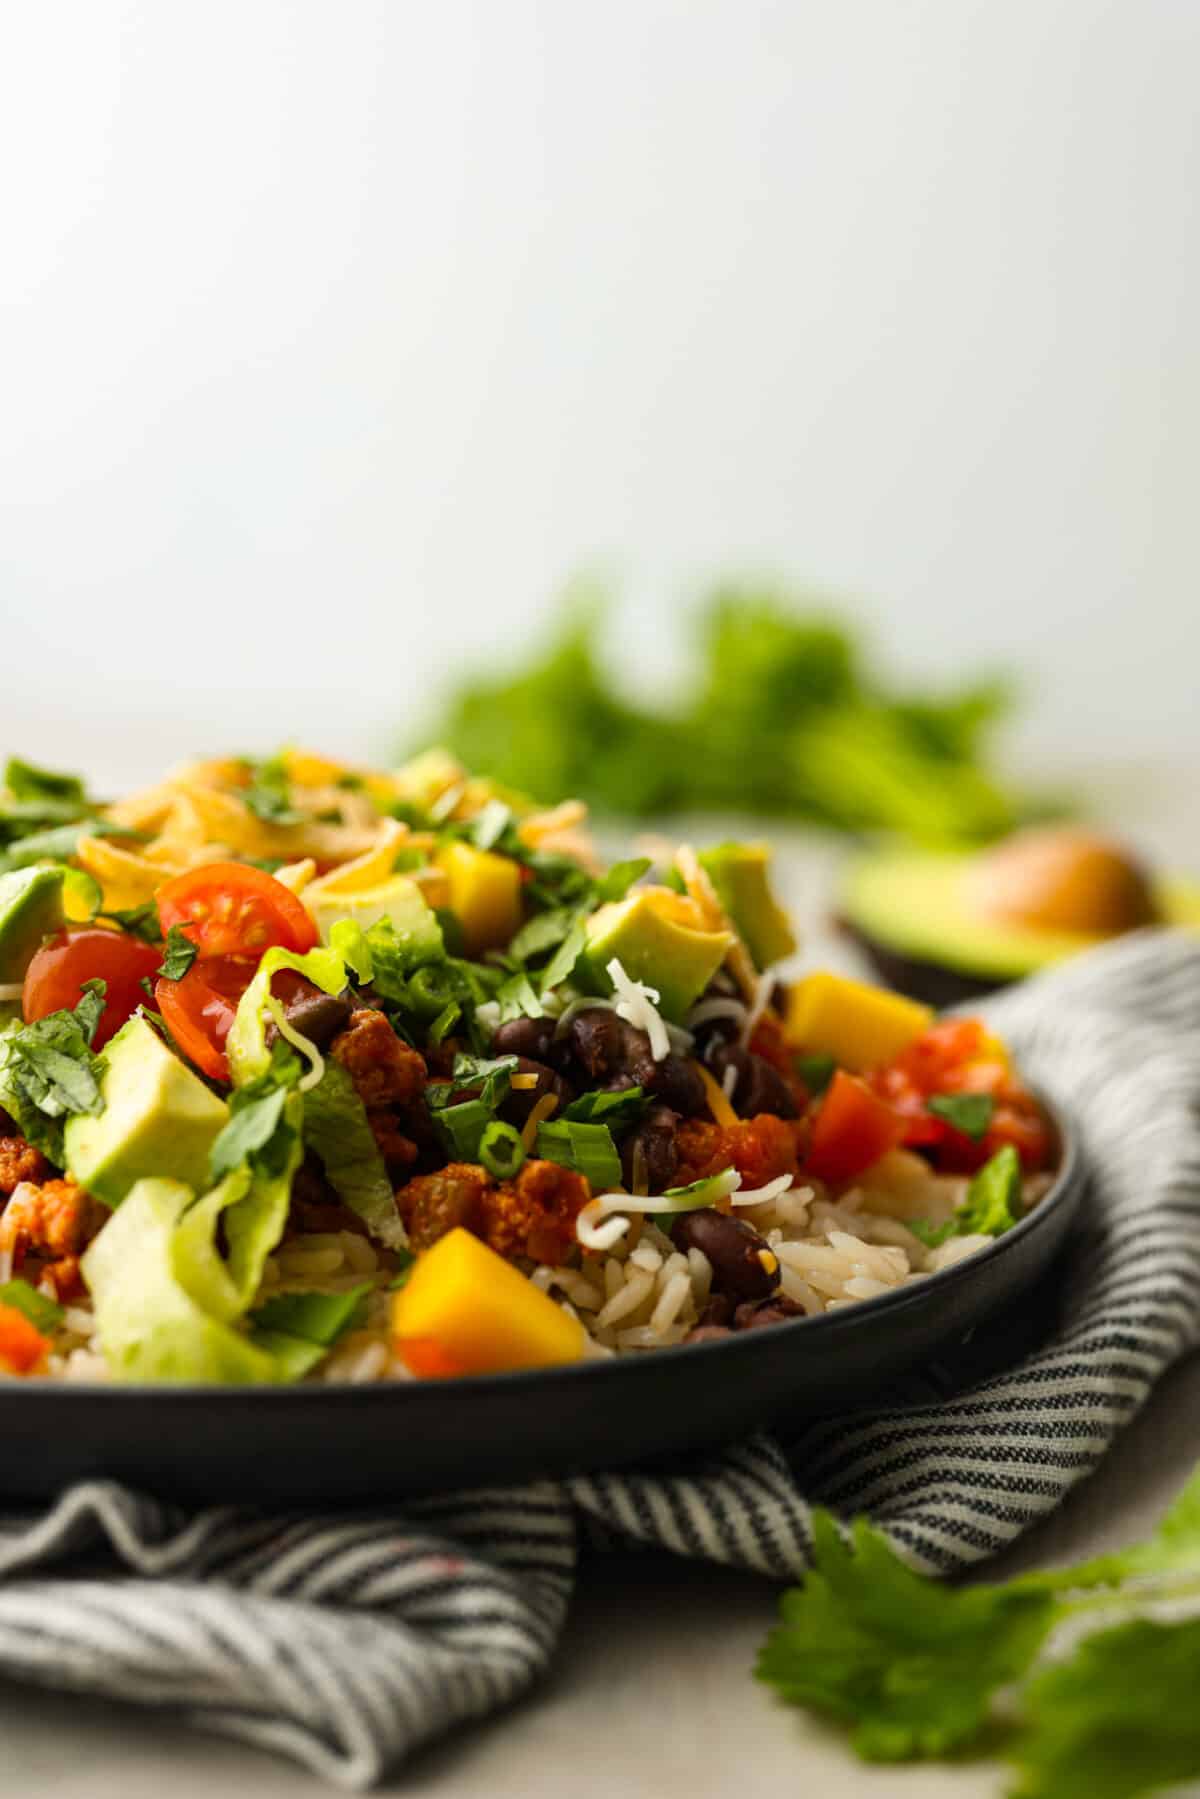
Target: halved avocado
{"x":951,"y":926}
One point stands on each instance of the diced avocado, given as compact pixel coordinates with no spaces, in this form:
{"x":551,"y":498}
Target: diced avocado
{"x":656,"y":937}
{"x":740,"y":874}
{"x":485,"y":894}
{"x":859,"y":1026}
{"x":951,"y":926}
{"x":149,"y":1326}
{"x":31,"y":907}
{"x":399,"y":900}
{"x":158,"y":1119}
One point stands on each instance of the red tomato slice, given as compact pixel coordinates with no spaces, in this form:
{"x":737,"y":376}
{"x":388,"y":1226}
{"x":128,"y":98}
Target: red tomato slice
{"x":54,"y":979}
{"x":853,"y":1128}
{"x":199,"y":1010}
{"x":231,"y":909}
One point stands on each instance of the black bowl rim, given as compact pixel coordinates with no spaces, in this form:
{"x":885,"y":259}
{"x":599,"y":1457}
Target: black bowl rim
{"x":585,"y":1373}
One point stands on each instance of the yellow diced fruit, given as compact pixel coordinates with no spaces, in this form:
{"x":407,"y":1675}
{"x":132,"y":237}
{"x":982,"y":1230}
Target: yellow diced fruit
{"x":859,"y":1026}
{"x":482,"y":1314}
{"x":485,"y":894}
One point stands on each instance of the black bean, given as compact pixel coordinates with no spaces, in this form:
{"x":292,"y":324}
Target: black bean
{"x":532,"y":1037}
{"x":656,"y":1137}
{"x":677,"y":1084}
{"x":708,"y":1333}
{"x":317,"y":1015}
{"x":595,"y":1039}
{"x":775,"y":1310}
{"x":520,"y":1101}
{"x":759,"y":1086}
{"x":743,"y":1263}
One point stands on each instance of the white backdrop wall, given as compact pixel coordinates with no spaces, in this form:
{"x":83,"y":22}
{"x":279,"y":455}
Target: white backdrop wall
{"x":334,"y":336}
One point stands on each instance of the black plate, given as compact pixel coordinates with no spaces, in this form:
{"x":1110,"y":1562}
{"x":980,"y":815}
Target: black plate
{"x":334,"y":1445}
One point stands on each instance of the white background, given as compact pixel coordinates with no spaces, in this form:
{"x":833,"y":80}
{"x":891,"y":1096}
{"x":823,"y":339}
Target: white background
{"x":334,"y":336}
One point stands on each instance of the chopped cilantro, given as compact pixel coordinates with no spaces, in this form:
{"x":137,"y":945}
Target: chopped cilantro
{"x":970,"y":1113}
{"x":615,"y":1108}
{"x":48,"y":1071}
{"x":178,"y":955}
{"x":815,"y":1071}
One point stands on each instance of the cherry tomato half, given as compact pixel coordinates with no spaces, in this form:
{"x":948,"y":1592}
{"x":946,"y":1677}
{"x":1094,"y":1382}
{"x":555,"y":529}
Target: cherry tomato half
{"x":54,"y":979}
{"x":199,"y":1009}
{"x":231,"y":909}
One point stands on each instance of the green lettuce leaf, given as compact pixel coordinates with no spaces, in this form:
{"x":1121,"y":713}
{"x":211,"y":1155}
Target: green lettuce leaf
{"x":336,"y":1128}
{"x":151,"y":1328}
{"x":246,"y":1045}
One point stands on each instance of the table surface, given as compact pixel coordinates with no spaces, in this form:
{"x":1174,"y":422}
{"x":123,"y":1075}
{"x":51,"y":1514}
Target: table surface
{"x":679,"y":1712}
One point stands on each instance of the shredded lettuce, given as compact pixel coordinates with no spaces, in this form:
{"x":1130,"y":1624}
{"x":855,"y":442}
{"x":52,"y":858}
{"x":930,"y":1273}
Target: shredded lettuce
{"x":246,"y":1045}
{"x":150,"y":1326}
{"x":337,"y":1130}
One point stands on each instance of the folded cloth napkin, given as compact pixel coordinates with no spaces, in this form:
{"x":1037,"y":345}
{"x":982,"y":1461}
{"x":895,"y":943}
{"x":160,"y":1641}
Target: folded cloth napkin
{"x":347,"y":1641}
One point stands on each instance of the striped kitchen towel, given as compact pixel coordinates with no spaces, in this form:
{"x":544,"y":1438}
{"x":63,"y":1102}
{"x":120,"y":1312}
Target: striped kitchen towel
{"x":347,"y":1641}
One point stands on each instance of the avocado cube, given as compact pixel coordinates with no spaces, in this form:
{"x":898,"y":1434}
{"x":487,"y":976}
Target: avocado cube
{"x":30,"y":908}
{"x":739,"y":872}
{"x":653,"y":936}
{"x":158,"y":1119}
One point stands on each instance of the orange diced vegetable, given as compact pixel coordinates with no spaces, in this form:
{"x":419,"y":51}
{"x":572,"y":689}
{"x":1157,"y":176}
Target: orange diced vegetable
{"x":480,"y":1314}
{"x":21,"y":1345}
{"x":853,"y":1128}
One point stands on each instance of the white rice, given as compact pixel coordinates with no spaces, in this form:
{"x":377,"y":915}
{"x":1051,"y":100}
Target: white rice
{"x":833,"y":1251}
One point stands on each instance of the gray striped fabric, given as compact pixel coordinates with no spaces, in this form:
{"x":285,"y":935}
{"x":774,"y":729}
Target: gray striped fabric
{"x":347,"y":1642}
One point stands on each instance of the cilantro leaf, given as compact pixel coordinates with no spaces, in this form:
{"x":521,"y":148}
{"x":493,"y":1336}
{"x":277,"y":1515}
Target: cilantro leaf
{"x":562,"y":964}
{"x":48,"y":1071}
{"x":257,"y":1131}
{"x":517,"y":999}
{"x":316,"y":1317}
{"x":267,"y":794}
{"x":989,"y":1208}
{"x":621,"y":1107}
{"x":615,"y":884}
{"x":931,"y":1235}
{"x":178,"y":955}
{"x":912,"y":1665}
{"x":970,"y":1113}
{"x":543,"y":932}
{"x":815,"y":1071}
{"x":1116,"y":1719}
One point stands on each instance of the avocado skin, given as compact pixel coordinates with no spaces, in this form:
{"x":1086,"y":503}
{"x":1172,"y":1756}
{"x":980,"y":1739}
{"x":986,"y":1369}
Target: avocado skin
{"x":930,"y":982}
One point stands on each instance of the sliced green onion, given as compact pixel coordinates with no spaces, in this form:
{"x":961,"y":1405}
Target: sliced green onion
{"x":501,"y":1150}
{"x":587,"y":1148}
{"x":462,"y":1128}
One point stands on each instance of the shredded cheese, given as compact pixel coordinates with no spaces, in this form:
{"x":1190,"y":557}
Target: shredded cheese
{"x":718,"y":1104}
{"x":542,"y":1108}
{"x":11,"y":989}
{"x":636,"y":1004}
{"x":521,"y":1083}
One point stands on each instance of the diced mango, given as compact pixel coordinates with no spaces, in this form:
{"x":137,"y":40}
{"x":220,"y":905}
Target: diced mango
{"x":858,"y":1025}
{"x":482,"y":1314}
{"x":485,"y":894}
